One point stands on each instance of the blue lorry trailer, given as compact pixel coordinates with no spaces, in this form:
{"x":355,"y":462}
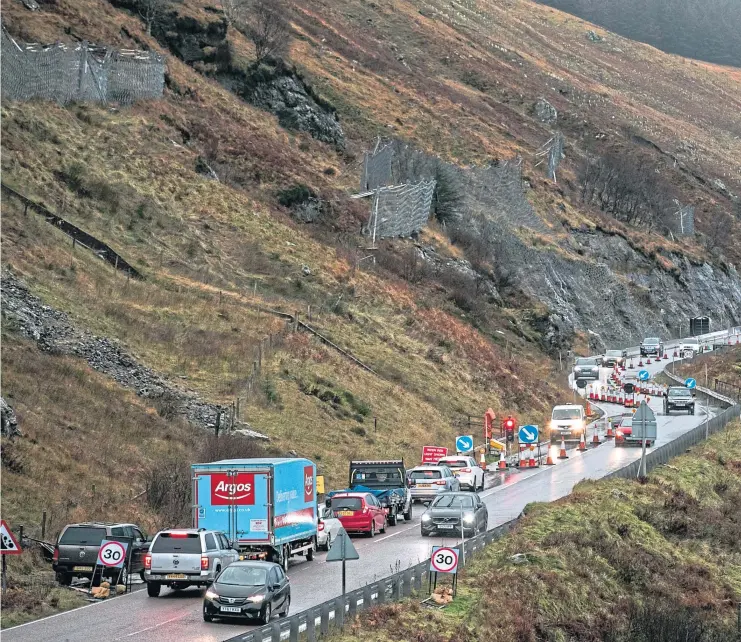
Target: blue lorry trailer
{"x":266,"y":507}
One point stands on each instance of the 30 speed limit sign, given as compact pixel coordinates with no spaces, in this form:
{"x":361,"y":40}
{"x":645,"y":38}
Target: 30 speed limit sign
{"x":444,"y":559}
{"x":112,"y":554}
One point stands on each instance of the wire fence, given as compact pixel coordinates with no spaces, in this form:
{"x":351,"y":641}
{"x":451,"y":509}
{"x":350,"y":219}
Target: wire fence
{"x":79,"y":72}
{"x":401,"y":210}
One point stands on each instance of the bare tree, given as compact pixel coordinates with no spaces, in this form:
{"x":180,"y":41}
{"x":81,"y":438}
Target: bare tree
{"x":151,"y":11}
{"x":268,"y":28}
{"x":235,"y":11}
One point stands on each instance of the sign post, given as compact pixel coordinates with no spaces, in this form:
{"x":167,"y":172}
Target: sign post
{"x":341,"y":551}
{"x":8,"y":546}
{"x":646,"y":419}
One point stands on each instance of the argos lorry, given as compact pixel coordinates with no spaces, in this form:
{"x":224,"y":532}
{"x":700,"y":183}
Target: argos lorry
{"x":266,"y":507}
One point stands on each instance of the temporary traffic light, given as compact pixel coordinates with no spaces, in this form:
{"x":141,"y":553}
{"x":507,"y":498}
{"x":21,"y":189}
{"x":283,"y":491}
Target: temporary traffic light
{"x":509,"y":428}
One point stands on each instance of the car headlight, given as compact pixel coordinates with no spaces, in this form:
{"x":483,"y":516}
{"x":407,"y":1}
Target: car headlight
{"x":256,"y":599}
{"x":468,"y":519}
{"x":426,"y":518}
{"x":212,"y":595}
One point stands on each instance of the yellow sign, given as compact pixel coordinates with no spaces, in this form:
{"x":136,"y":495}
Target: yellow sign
{"x":320,"y":484}
{"x":496,"y":445}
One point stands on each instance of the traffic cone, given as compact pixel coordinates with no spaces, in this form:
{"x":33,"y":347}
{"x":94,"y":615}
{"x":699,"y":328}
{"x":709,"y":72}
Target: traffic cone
{"x":631,"y":363}
{"x":582,"y":444}
{"x":609,"y":434}
{"x":589,"y":410}
{"x":676,"y":354}
{"x":562,"y":454}
{"x":502,"y":461}
{"x":523,"y":459}
{"x":640,"y":362}
{"x":531,"y":462}
{"x":648,"y":361}
{"x":666,"y":356}
{"x":658,"y":357}
{"x":482,"y":460}
{"x":549,"y":459}
{"x":595,"y":439}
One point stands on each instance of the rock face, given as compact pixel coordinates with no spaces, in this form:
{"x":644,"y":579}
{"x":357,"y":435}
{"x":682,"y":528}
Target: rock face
{"x":8,"y":420}
{"x":283,"y":92}
{"x":53,"y":332}
{"x":545,"y":112}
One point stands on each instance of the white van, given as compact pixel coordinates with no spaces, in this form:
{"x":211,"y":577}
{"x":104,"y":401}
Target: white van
{"x":567,"y":422}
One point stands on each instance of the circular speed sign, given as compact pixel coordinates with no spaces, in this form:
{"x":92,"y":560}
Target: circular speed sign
{"x":444,"y":560}
{"x":112,"y":554}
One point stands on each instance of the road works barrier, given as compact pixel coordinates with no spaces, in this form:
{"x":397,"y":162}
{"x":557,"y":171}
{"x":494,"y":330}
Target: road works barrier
{"x":315,"y":622}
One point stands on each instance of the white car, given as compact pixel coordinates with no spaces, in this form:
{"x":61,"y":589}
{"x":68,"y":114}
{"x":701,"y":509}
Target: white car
{"x":690,"y":343}
{"x":468,"y":472}
{"x":327,"y":528}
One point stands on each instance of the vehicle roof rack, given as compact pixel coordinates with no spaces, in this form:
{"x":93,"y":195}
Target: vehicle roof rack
{"x":397,"y":462}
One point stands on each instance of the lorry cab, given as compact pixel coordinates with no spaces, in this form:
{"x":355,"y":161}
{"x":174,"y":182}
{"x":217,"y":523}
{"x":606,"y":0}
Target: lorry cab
{"x":567,"y":422}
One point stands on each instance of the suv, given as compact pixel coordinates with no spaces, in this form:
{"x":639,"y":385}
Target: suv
{"x":76,"y":551}
{"x":186,"y":557}
{"x":586,"y":368}
{"x":427,"y":482}
{"x":612,"y":358}
{"x":652,"y":345}
{"x":679,"y":398}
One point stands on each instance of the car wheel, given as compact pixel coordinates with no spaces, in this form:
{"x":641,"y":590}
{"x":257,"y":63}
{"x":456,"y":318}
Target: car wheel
{"x":310,"y":552}
{"x":284,"y":612}
{"x":141,"y":575}
{"x":207,"y":617}
{"x":267,"y":613}
{"x":408,"y":514}
{"x":64,"y":579}
{"x":373,"y":528}
{"x":284,"y":561}
{"x":153,"y":589}
{"x":425,"y":533}
{"x":383,"y":527}
{"x":392,"y":519}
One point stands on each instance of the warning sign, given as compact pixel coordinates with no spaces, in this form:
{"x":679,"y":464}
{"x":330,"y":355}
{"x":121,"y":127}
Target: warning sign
{"x":8,"y":543}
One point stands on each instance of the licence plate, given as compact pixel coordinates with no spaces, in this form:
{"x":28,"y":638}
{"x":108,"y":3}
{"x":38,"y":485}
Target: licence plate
{"x":230,"y":609}
{"x":345,"y":513}
{"x":424,"y":485}
{"x":450,"y":526}
{"x":85,"y":569}
{"x":175,"y":576}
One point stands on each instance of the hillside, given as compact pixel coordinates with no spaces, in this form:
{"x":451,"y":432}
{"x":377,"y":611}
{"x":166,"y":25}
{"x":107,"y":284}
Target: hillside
{"x":443,"y":340}
{"x":616,"y":560}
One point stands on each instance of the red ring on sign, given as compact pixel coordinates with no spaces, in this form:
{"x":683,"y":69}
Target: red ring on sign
{"x":106,"y":547}
{"x":446,"y":552}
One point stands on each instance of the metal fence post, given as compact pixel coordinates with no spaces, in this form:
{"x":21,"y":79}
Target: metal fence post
{"x":324,"y":624}
{"x":311,"y":625}
{"x":339,"y":611}
{"x":381,"y":591}
{"x":293,"y":636}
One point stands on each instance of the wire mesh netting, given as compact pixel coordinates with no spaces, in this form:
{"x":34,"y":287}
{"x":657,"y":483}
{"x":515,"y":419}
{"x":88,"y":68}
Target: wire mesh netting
{"x":401,"y":210}
{"x":377,"y":168}
{"x":79,"y":72}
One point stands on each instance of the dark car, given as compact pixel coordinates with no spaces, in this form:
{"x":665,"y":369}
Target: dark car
{"x":586,"y":368}
{"x":679,"y":398}
{"x":652,"y":346}
{"x":76,"y":551}
{"x":248,"y":589}
{"x":445,"y":513}
{"x":612,"y":358}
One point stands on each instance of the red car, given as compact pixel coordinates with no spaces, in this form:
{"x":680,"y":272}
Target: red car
{"x":359,"y":513}
{"x":624,"y":431}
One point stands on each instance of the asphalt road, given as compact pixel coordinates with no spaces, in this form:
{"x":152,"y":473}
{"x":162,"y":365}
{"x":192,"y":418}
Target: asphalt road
{"x":176,"y":616}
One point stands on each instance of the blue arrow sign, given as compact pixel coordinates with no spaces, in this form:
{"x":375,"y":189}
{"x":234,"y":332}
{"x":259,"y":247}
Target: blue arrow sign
{"x":643,"y":375}
{"x":528,"y":434}
{"x":690,"y":383}
{"x":464,"y":443}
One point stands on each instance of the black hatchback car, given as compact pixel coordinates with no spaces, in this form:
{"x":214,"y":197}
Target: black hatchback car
{"x":448,"y":510}
{"x":248,"y":589}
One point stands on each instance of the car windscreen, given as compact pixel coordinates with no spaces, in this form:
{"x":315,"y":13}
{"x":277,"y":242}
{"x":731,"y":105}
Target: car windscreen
{"x":679,"y":392}
{"x":586,"y":362}
{"x":566,"y":413}
{"x":83,"y":535}
{"x":626,"y":423}
{"x":614,"y":353}
{"x":177,"y":543}
{"x":347,"y":503}
{"x":421,"y":475}
{"x":376,"y":475}
{"x":243,"y":576}
{"x":652,"y":340}
{"x":456,"y":463}
{"x":453,"y":501}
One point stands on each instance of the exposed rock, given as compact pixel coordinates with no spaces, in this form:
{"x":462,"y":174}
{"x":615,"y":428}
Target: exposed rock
{"x":8,"y":421}
{"x":53,"y":332}
{"x":203,"y":168}
{"x":594,"y":37}
{"x":519,"y":558}
{"x":545,"y":112}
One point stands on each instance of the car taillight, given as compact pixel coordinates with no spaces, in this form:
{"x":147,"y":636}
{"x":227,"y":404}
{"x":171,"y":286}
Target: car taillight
{"x":365,"y":510}
{"x":148,"y":560}
{"x":465,"y":470}
{"x":320,"y":526}
{"x":56,"y":554}
{"x":204,"y":563}
{"x":440,"y":482}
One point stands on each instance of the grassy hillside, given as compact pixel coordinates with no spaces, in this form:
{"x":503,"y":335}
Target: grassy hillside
{"x":725,"y":366}
{"x":616,"y":561}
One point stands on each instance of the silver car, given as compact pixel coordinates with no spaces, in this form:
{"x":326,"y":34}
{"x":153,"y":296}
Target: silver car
{"x":427,"y":482}
{"x":185,"y":557}
{"x":586,"y":368}
{"x":327,"y":529}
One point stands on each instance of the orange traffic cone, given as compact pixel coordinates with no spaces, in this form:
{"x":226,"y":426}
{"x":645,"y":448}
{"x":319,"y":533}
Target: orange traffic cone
{"x":666,"y":356}
{"x":609,"y":434}
{"x":562,"y":454}
{"x":549,"y":459}
{"x":531,"y":462}
{"x":589,"y":410}
{"x":482,"y":460}
{"x":582,"y":444}
{"x":502,"y":461}
{"x":595,"y":439}
{"x":648,"y":361}
{"x":523,"y":458}
{"x":640,"y":362}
